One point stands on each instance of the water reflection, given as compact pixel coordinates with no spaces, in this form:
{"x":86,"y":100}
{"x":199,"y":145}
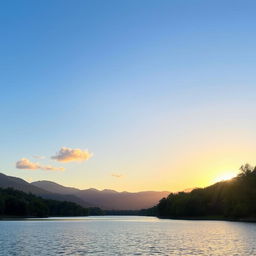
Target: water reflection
{"x":126,"y":235}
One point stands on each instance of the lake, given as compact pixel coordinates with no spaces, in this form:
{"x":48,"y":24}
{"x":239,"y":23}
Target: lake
{"x":125,"y":235}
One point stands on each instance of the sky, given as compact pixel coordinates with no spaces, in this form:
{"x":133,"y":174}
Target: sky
{"x":128,"y":95}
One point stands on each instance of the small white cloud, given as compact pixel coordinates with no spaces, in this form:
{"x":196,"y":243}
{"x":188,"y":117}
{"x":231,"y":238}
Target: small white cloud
{"x":117,"y":175}
{"x":24,"y":163}
{"x":69,"y":155}
{"x":39,"y":157}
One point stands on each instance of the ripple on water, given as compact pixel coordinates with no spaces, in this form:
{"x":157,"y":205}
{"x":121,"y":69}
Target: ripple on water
{"x":126,"y":236}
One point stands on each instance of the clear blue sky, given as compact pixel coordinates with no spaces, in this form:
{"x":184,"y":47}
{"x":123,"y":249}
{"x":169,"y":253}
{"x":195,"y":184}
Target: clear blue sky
{"x":162,"y":92}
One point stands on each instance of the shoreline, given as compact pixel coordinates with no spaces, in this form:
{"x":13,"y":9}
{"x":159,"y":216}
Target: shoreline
{"x":208,"y":218}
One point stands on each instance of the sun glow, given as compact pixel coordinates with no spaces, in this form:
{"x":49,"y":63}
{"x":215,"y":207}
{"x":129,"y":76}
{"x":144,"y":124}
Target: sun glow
{"x":225,"y":176}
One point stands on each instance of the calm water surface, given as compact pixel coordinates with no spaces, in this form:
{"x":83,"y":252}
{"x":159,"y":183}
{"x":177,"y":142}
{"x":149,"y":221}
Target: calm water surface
{"x":123,"y":235}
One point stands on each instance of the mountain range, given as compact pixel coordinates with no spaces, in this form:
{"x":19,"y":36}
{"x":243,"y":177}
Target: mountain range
{"x":105,"y":199}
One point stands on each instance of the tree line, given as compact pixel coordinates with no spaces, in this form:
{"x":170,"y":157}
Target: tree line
{"x":232,"y":199}
{"x":14,"y":203}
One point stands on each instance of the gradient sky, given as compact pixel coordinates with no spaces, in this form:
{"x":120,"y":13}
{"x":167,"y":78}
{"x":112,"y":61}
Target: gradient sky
{"x":161,"y":92}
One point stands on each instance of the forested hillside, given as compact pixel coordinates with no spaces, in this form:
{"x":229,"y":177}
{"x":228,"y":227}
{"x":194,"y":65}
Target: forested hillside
{"x":17,"y":203}
{"x":232,"y":199}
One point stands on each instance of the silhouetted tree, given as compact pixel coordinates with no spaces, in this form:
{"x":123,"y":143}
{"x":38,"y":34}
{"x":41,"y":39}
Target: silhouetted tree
{"x":235,"y":198}
{"x":18,"y":203}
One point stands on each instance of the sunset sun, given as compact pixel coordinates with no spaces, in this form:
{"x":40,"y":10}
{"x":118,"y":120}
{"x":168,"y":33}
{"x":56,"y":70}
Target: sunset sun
{"x":225,"y":176}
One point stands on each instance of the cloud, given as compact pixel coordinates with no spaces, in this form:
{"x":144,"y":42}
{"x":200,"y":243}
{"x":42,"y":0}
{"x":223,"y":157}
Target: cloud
{"x":117,"y":175}
{"x":24,"y":163}
{"x":69,"y":155}
{"x":38,"y":157}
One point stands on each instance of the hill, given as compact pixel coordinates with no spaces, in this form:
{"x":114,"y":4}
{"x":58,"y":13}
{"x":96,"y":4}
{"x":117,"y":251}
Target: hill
{"x":107,"y":199}
{"x":54,"y":187}
{"x":14,"y":203}
{"x":22,"y":185}
{"x":233,"y":199}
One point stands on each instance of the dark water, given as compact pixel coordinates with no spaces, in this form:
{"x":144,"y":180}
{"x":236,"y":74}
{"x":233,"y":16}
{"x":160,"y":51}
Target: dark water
{"x":123,"y":235}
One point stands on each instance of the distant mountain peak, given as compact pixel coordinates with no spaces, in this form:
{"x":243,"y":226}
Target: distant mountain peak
{"x":109,"y":191}
{"x":106,"y":199}
{"x":20,"y":184}
{"x":54,"y":187}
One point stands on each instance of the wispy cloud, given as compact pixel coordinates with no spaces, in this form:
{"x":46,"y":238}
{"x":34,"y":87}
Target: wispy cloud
{"x":117,"y":175}
{"x":24,"y":163}
{"x":69,"y":155}
{"x":38,"y":157}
